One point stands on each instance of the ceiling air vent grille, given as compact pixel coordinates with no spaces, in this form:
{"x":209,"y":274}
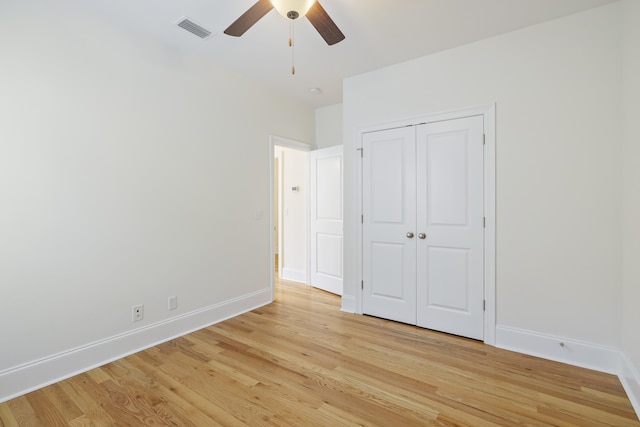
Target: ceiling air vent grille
{"x":194,"y":28}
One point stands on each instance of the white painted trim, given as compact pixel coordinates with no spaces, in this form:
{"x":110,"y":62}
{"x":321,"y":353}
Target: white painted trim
{"x":31,"y":376}
{"x":348,"y":304}
{"x":294,"y":275}
{"x":430,"y":118}
{"x":490,"y":226}
{"x":489,"y":115}
{"x":574,"y":352}
{"x":630,"y":379}
{"x":289,"y":143}
{"x":359,"y":229}
{"x":560,"y":349}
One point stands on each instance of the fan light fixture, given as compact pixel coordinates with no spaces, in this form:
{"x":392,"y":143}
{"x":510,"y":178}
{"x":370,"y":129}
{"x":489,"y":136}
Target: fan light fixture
{"x":292,"y":9}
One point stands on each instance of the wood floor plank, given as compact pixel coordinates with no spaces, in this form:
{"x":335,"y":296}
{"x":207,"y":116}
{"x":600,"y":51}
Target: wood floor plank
{"x":207,"y":413}
{"x":22,"y":412}
{"x":58,"y":398}
{"x":47,"y":412}
{"x":99,"y":375}
{"x":92,"y":412}
{"x":300,"y":361}
{"x":6,"y":417}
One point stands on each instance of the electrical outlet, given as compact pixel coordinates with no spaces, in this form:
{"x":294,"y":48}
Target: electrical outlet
{"x":172,"y":303}
{"x":138,"y":313}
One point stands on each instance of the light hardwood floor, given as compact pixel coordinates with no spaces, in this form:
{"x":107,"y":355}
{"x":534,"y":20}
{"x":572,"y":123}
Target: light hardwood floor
{"x":302,"y":362}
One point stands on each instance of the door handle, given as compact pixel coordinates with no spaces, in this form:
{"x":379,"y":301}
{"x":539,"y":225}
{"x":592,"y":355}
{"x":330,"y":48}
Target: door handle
{"x":410,"y":235}
{"x":422,"y":236}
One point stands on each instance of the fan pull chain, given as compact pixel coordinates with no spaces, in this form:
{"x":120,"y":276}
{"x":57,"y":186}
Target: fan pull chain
{"x":291,"y":45}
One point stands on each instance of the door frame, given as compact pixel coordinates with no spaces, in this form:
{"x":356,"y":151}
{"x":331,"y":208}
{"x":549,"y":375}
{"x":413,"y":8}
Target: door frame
{"x":488,"y":112}
{"x":275,"y":140}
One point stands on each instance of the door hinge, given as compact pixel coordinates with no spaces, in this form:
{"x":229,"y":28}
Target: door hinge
{"x":361,"y":150}
{"x":484,"y":139}
{"x":362,"y":284}
{"x":484,"y":222}
{"x":484,"y":305}
{"x":361,"y":219}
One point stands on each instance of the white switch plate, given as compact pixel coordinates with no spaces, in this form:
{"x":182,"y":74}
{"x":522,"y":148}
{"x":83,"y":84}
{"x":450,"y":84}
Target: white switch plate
{"x":172,"y":303}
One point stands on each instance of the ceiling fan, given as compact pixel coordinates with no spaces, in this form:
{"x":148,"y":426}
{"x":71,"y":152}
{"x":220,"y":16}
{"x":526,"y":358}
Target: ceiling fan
{"x":291,"y":9}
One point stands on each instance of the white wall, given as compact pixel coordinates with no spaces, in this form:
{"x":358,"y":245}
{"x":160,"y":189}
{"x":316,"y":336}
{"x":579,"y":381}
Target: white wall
{"x":559,"y":158}
{"x":631,"y":276}
{"x":128,"y":173}
{"x":329,"y":126}
{"x":295,"y":214}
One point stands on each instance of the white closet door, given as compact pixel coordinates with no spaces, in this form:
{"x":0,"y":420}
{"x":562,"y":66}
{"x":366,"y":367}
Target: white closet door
{"x":450,"y":272}
{"x":326,"y":219}
{"x":389,"y":210}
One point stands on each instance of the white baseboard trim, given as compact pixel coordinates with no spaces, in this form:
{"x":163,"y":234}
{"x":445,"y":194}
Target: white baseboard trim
{"x":630,"y":379}
{"x":565,"y":350}
{"x":23,"y":379}
{"x":348,"y":304}
{"x":292,"y":275}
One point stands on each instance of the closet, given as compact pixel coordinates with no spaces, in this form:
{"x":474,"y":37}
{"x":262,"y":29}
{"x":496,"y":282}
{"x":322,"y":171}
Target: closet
{"x":423,"y":225}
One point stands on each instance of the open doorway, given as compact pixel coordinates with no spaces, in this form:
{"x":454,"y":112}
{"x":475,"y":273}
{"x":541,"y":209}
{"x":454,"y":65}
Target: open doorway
{"x":289,"y":247}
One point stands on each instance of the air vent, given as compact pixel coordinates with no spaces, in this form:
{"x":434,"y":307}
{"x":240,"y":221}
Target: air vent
{"x":194,"y":28}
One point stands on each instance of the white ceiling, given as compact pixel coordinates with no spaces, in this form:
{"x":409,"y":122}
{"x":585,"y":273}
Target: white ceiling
{"x":378,"y":33}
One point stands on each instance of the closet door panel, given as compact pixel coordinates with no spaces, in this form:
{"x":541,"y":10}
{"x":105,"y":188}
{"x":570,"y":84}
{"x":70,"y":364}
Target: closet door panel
{"x":450,"y":279}
{"x":389,"y":217}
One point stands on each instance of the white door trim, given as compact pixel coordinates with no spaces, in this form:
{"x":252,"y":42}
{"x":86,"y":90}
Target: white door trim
{"x":297,"y":145}
{"x":488,"y":112}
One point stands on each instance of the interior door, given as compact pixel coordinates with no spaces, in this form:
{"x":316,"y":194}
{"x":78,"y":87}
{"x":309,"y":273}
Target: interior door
{"x":326,"y":219}
{"x":450,"y":247}
{"x":389,"y":220}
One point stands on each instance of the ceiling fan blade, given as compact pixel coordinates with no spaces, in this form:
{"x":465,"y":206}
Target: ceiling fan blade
{"x":250,"y":17}
{"x":324,"y":24}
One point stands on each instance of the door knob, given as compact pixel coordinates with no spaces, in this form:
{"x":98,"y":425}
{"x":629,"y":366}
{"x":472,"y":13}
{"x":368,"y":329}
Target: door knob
{"x":410,"y":235}
{"x":422,"y":236}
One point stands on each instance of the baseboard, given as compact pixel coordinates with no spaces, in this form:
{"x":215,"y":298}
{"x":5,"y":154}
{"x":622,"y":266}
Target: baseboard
{"x":23,"y":379}
{"x":348,"y":304}
{"x":630,"y":379}
{"x":292,"y":275}
{"x":574,"y":352}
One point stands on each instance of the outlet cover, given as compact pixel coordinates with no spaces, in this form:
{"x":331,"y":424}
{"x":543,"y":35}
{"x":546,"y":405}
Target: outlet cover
{"x":172,"y":303}
{"x":138,"y":313}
